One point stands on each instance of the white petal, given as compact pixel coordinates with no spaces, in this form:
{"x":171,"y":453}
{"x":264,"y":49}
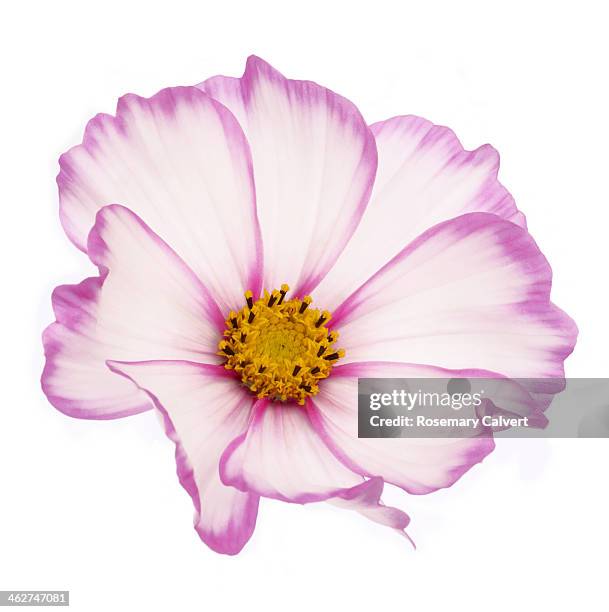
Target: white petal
{"x":424,"y":177}
{"x":472,"y":292}
{"x":204,"y":408}
{"x":281,"y":456}
{"x":314,"y":164}
{"x":181,"y":162}
{"x":146,"y":304}
{"x":366,"y":499}
{"x":418,"y":465}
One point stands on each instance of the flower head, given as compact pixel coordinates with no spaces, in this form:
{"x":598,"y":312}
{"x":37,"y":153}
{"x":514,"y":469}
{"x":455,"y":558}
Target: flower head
{"x":239,"y":227}
{"x":280,"y":348}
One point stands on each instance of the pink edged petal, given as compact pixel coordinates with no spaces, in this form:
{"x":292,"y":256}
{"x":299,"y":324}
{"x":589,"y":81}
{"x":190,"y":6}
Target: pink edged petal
{"x":424,"y":177}
{"x":366,"y":499}
{"x":180,"y":161}
{"x":203,"y":408}
{"x":145,"y":304}
{"x":472,"y":292}
{"x":314,"y":165}
{"x":75,"y":377}
{"x":282,"y":456}
{"x":418,"y":465}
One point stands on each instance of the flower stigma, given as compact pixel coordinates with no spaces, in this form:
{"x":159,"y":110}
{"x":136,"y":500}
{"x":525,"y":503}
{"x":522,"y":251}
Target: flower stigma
{"x":280,"y":348}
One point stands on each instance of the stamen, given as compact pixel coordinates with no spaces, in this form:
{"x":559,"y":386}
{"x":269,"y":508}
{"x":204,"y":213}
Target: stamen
{"x":306,"y":301}
{"x":325,"y":316}
{"x":335,"y":356}
{"x":279,"y":348}
{"x":272,"y":299}
{"x":284,"y":289}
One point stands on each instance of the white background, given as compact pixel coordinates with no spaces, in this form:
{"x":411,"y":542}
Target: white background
{"x":95,"y":507}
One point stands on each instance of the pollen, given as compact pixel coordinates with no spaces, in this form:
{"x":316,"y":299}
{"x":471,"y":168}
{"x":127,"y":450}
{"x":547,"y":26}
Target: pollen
{"x":280,"y":348}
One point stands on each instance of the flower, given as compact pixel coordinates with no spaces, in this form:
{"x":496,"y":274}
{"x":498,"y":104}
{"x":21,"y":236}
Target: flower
{"x":260,"y":248}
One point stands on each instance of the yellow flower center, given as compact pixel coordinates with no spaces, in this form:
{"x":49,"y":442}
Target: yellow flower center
{"x":280,"y":348}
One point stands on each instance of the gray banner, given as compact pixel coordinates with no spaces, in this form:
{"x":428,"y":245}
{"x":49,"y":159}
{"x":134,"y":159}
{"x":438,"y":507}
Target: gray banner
{"x":470,"y":407}
{"x":34,"y":598}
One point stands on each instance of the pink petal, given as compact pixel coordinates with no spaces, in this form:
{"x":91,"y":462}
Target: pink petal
{"x":146,"y":303}
{"x":282,"y":456}
{"x":75,"y":377}
{"x":314,"y":164}
{"x":366,"y":499}
{"x":203,"y":408}
{"x":472,"y":292}
{"x":424,"y":177}
{"x":418,"y":465}
{"x":181,"y":162}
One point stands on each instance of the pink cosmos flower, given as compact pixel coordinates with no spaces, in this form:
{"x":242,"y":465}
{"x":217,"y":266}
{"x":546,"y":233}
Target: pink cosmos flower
{"x":200,"y":203}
